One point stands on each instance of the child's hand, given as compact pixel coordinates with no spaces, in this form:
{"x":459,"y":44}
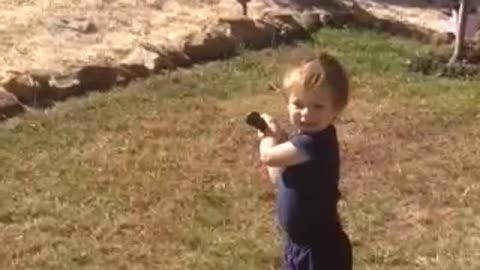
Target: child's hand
{"x":273,"y":129}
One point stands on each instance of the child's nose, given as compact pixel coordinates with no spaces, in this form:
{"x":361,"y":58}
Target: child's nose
{"x":305,"y":111}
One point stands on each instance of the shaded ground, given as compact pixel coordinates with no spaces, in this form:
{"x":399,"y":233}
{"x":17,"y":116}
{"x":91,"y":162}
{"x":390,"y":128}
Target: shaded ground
{"x":162,"y":175}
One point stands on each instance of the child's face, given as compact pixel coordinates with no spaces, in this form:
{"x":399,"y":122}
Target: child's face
{"x":311,"y":111}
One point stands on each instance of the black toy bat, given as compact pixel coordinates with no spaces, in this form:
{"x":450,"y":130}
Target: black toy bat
{"x":255,"y":120}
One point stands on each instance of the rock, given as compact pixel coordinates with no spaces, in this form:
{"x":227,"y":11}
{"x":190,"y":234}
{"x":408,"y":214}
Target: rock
{"x":147,"y":58}
{"x":141,"y":61}
{"x":211,"y":44}
{"x":176,"y":57}
{"x":24,"y":87}
{"x":158,"y":4}
{"x":248,"y":33}
{"x":40,"y":88}
{"x":99,"y":77}
{"x":63,"y":82}
{"x":310,"y":21}
{"x":327,"y":18}
{"x":78,"y":24}
{"x":302,"y":4}
{"x":62,"y":87}
{"x":362,"y":17}
{"x":287,"y":27}
{"x":9,"y":105}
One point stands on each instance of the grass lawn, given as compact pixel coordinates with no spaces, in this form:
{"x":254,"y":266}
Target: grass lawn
{"x":163,"y":174}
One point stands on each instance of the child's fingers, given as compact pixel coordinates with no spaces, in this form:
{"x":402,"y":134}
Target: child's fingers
{"x":260,"y":134}
{"x":273,"y":126}
{"x":268,"y":118}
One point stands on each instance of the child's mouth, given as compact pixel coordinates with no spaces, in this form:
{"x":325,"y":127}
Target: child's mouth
{"x":307,"y":125}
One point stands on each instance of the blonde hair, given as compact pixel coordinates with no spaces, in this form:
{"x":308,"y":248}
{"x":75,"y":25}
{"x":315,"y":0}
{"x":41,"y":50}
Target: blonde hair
{"x":321,"y":72}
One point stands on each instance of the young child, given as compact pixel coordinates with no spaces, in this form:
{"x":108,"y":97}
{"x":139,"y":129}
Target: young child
{"x":305,"y":166}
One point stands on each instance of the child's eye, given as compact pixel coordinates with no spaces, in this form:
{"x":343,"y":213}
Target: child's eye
{"x":297,"y":104}
{"x":318,"y":106}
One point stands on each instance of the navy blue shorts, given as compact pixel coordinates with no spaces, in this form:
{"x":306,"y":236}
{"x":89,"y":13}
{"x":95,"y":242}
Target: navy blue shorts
{"x":334,"y":255}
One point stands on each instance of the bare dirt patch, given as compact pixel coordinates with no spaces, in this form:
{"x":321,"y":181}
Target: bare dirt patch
{"x":31,"y":39}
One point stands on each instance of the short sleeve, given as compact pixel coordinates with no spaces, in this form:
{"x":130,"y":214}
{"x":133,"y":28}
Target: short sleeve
{"x":305,"y":143}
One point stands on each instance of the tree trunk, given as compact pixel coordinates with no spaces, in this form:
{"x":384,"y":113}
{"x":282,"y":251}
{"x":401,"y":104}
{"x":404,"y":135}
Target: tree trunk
{"x":459,"y":49}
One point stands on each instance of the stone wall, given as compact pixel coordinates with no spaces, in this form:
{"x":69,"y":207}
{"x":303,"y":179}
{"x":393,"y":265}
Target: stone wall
{"x":223,"y":38}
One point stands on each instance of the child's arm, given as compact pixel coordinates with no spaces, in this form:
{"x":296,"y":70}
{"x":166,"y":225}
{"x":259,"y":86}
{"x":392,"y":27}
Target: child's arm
{"x":280,"y":155}
{"x":273,"y":172}
{"x":275,"y":150}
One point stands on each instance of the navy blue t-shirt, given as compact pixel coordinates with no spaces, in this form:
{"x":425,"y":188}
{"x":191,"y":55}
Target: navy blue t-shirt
{"x":308,"y":192}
